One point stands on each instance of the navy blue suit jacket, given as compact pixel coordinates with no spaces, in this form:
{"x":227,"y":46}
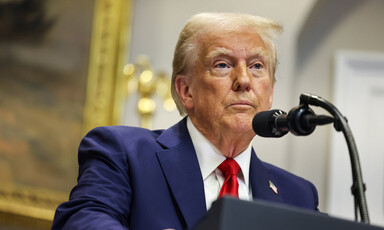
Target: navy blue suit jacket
{"x":133,"y":178}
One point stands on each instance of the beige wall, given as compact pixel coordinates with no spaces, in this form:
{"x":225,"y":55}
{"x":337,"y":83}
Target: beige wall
{"x":332,"y":26}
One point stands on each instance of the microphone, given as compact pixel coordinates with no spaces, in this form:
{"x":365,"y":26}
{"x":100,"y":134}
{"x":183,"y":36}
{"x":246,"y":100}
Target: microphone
{"x":300,"y":121}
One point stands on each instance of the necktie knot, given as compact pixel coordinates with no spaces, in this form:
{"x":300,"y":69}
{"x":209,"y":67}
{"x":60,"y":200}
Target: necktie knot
{"x":229,"y":167}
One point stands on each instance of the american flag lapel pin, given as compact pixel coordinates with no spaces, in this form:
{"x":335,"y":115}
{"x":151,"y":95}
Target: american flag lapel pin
{"x":273,"y":187}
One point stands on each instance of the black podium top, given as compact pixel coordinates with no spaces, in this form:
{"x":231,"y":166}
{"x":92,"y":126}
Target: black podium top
{"x":233,"y":214}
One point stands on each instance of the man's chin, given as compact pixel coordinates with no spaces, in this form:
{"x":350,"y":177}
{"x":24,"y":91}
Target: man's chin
{"x":240,"y":124}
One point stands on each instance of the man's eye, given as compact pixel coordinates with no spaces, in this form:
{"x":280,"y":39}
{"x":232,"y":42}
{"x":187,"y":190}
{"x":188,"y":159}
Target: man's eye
{"x":221,"y":66}
{"x":257,"y":66}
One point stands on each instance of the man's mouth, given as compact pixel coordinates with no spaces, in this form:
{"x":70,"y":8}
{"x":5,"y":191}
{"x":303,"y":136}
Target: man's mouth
{"x":242,"y":104}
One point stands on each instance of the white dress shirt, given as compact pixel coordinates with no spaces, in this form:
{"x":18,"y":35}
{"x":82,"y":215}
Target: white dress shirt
{"x":210,"y":158}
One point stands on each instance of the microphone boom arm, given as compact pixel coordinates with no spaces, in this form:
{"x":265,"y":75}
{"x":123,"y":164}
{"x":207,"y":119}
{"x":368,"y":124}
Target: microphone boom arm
{"x":341,"y":124}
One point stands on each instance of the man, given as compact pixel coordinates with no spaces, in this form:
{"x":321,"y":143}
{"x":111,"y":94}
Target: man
{"x":223,"y":74}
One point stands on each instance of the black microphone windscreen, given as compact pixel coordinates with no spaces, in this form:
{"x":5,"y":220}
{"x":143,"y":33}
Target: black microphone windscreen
{"x":261,"y":123}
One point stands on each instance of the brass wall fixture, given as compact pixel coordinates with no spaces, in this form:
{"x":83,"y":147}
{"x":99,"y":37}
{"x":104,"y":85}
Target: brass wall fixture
{"x":140,"y":78}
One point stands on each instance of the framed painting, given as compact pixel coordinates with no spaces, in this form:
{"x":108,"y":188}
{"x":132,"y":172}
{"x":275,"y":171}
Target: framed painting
{"x":60,"y":75}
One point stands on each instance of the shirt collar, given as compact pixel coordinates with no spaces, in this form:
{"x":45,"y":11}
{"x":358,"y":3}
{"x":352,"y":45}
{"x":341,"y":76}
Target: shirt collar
{"x":210,"y":157}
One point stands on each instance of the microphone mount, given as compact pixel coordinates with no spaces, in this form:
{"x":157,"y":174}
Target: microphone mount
{"x":300,"y":121}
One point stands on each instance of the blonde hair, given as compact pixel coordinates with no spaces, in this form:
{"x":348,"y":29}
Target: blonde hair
{"x":199,"y":26}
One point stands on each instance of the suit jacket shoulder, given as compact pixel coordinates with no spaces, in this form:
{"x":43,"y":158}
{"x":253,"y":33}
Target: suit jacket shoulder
{"x":135,"y":178}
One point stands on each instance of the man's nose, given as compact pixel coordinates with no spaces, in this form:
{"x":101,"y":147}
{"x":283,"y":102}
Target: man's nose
{"x":242,"y":78}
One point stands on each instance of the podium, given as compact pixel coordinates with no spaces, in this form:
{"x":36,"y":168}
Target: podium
{"x":234,"y":214}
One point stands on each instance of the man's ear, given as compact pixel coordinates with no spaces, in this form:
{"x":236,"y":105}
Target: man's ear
{"x":183,"y":88}
{"x":271,"y":96}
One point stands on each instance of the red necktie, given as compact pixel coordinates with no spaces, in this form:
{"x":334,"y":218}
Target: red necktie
{"x":230,"y":168}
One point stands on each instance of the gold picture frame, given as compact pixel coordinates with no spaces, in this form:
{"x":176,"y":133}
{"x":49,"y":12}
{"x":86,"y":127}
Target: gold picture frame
{"x":33,"y":207}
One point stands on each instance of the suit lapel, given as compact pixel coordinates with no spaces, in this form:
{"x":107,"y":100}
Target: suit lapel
{"x":181,"y":169}
{"x":260,"y":181}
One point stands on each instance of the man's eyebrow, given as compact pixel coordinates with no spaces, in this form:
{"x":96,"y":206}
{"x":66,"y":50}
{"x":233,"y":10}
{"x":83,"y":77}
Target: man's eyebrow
{"x":259,"y":52}
{"x":218,"y":52}
{"x":222,"y":51}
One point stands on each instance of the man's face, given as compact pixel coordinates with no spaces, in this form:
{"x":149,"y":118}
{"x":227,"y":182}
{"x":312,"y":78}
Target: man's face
{"x":229,"y":83}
